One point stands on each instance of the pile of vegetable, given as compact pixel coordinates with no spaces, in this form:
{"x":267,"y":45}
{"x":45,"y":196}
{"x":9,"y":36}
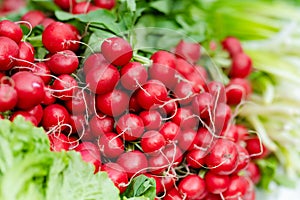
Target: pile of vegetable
{"x":160,"y":113}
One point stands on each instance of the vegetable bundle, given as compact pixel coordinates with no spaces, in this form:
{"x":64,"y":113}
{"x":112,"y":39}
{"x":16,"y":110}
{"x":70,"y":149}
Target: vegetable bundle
{"x":136,"y":100}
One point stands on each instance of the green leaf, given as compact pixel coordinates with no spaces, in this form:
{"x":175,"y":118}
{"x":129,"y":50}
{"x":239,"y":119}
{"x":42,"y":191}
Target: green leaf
{"x":45,"y":5}
{"x":268,"y":167}
{"x":141,"y":186}
{"x":163,"y":6}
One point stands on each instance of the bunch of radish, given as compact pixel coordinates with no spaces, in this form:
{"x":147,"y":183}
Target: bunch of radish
{"x":167,"y":120}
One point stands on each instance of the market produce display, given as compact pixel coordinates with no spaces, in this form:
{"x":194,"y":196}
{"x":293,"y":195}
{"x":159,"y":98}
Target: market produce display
{"x":145,"y":100}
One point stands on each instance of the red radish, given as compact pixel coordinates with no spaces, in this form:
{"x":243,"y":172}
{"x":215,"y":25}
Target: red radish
{"x":58,"y":142}
{"x":81,"y":7}
{"x":73,"y":141}
{"x":101,"y":124}
{"x":79,"y":102}
{"x":113,"y":103}
{"x":237,"y":89}
{"x":77,"y":123}
{"x":1,"y":117}
{"x":217,"y":90}
{"x":204,"y":139}
{"x":27,"y":116}
{"x":230,"y":133}
{"x":111,"y":146}
{"x":237,"y":187}
{"x":173,"y":154}
{"x":184,"y":118}
{"x":106,"y":4}
{"x":65,"y":4}
{"x":169,"y":108}
{"x":215,"y":183}
{"x":253,"y":171}
{"x":8,"y":50}
{"x":168,"y":182}
{"x":184,"y":91}
{"x":195,"y":158}
{"x":59,"y":36}
{"x":12,"y":5}
{"x":183,"y":67}
{"x":8,"y":97}
{"x":117,"y":51}
{"x":43,"y":71}
{"x":152,"y":141}
{"x":151,"y":119}
{"x":198,"y":79}
{"x":173,"y":194}
{"x":117,"y":174}
{"x":203,"y":105}
{"x":192,"y":186}
{"x":55,"y":116}
{"x":130,"y":126}
{"x":88,"y":146}
{"x":48,"y":98}
{"x":30,"y":89}
{"x":152,"y":93}
{"x":158,"y":163}
{"x":63,"y":62}
{"x":103,"y":79}
{"x":64,"y":87}
{"x":169,"y":130}
{"x":243,"y":158}
{"x":11,"y":30}
{"x":133,"y":74}
{"x":256,"y":148}
{"x":241,"y":66}
{"x":86,"y":135}
{"x":163,"y":68}
{"x":46,"y":21}
{"x":232,"y":45}
{"x":211,"y":196}
{"x":37,"y":112}
{"x":223,"y":157}
{"x":89,"y":157}
{"x":94,"y":60}
{"x":34,"y":17}
{"x":242,"y":132}
{"x":187,"y":139}
{"x":190,"y":51}
{"x":26,"y":55}
{"x":134,"y":106}
{"x":134,"y":162}
{"x":221,"y":118}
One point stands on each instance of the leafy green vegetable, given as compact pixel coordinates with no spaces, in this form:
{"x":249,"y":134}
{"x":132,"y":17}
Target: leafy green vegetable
{"x":29,"y":170}
{"x":142,"y":187}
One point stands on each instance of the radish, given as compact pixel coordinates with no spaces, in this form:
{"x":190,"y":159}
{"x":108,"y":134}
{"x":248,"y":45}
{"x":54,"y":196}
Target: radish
{"x":243,"y":158}
{"x":190,"y":51}
{"x":106,"y":4}
{"x":134,"y":163}
{"x":79,"y":102}
{"x":94,"y":60}
{"x":204,"y":139}
{"x":103,"y":79}
{"x":183,"y":67}
{"x":187,"y":139}
{"x":184,"y":92}
{"x":26,"y":55}
{"x":30,"y":89}
{"x":77,"y":123}
{"x":241,"y":66}
{"x":255,"y":148}
{"x":134,"y":106}
{"x":133,"y":74}
{"x":63,"y":62}
{"x":223,"y":157}
{"x":36,"y":111}
{"x":111,"y":146}
{"x":8,"y":97}
{"x":48,"y":98}
{"x":81,"y":7}
{"x":163,"y":68}
{"x":151,"y":119}
{"x":101,"y":124}
{"x":58,"y":142}
{"x":8,"y":50}
{"x":117,"y":174}
{"x":88,"y":146}
{"x":11,"y":30}
{"x":169,"y":108}
{"x":185,"y":119}
{"x":192,"y":186}
{"x":152,"y":141}
{"x":195,"y":158}
{"x":173,"y":154}
{"x":169,"y":130}
{"x":116,"y":51}
{"x":173,"y":194}
{"x":203,"y":105}
{"x":253,"y":172}
{"x":55,"y":117}
{"x":232,"y":45}
{"x":215,"y":183}
{"x":43,"y":71}
{"x":230,"y":133}
{"x":237,"y":188}
{"x":237,"y":90}
{"x":46,"y":21}
{"x":34,"y":17}
{"x":27,"y":116}
{"x":130,"y":126}
{"x":59,"y":36}
{"x":113,"y":103}
{"x":217,"y":90}
{"x":65,"y":4}
{"x":90,"y":157}
{"x":64,"y":87}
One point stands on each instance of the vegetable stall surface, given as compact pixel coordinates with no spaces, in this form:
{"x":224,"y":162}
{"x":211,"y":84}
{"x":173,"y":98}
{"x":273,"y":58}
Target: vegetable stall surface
{"x":162,"y":120}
